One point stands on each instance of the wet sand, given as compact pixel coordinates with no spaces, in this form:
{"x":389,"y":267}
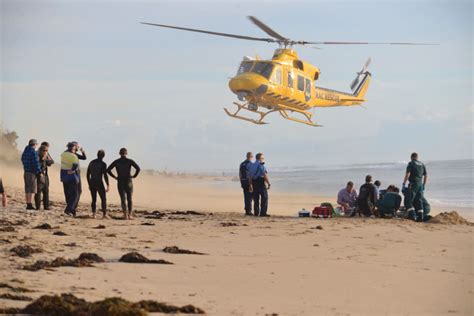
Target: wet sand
{"x":252,"y":266}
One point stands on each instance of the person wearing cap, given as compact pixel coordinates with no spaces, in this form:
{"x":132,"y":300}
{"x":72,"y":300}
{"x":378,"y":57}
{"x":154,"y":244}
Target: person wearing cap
{"x":81,"y":155}
{"x":123,"y":167}
{"x":96,"y":175}
{"x":244,"y":183}
{"x":43,"y":178}
{"x":3,"y":194}
{"x":32,"y":169}
{"x":70,"y":178}
{"x":258,"y":179}
{"x":416,"y":176}
{"x":45,"y":164}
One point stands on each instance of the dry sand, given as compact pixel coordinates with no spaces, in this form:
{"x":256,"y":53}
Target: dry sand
{"x":253,"y":266}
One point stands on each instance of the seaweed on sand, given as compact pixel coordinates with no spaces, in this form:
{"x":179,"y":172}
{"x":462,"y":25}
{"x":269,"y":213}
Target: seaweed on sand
{"x":84,"y":260}
{"x":69,"y":305}
{"x":25,"y":250}
{"x":177,"y":250}
{"x":135,"y":257}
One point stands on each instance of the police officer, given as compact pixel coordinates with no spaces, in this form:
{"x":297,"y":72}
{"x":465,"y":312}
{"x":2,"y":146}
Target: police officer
{"x":416,"y":176}
{"x":258,"y":179}
{"x":245,"y":184}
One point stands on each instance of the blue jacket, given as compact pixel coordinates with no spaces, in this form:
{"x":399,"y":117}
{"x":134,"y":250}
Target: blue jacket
{"x":30,"y":160}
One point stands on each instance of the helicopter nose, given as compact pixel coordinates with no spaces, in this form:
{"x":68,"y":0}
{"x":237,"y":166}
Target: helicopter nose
{"x":246,"y":84}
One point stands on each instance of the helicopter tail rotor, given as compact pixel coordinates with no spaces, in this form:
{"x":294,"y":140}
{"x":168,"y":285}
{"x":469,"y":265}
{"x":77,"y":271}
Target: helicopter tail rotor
{"x":360,"y":75}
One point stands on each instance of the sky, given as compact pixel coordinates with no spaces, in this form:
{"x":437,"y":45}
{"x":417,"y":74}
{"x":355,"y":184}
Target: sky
{"x":89,"y":71}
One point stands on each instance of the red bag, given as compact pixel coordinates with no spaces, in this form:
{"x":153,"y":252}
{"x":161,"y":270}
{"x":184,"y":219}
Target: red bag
{"x":322,"y":211}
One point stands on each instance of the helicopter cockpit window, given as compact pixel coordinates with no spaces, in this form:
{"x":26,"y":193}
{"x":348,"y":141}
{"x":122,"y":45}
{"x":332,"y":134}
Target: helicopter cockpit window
{"x":276,"y":76}
{"x":264,"y":69}
{"x":290,"y":79}
{"x":245,"y":66}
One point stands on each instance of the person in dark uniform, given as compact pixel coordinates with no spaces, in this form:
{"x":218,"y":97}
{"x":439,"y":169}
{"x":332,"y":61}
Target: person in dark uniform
{"x":96,"y":171}
{"x":3,"y":194}
{"x":81,"y":155}
{"x":367,"y":197}
{"x":258,"y":179}
{"x":123,"y":167}
{"x":245,"y":184}
{"x":416,"y":176}
{"x":48,"y":162}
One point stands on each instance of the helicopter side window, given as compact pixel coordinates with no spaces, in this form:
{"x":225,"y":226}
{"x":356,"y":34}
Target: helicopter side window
{"x":307,"y":93}
{"x":276,"y":77}
{"x":290,"y":79}
{"x":245,"y":66}
{"x":264,"y":69}
{"x":301,"y":83}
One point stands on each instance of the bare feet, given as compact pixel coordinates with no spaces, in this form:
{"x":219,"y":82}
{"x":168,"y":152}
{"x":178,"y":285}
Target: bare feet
{"x":93,"y":215}
{"x":106,"y":216}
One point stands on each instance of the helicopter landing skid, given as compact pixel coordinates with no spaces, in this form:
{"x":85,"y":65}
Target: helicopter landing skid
{"x":247,"y":108}
{"x":308,"y":115}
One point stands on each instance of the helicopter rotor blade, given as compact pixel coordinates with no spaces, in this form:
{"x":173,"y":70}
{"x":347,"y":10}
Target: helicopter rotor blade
{"x":244,"y":37}
{"x":267,"y":29}
{"x":365,"y":43}
{"x":360,"y":74}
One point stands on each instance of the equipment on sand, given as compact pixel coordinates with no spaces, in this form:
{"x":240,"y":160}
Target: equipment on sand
{"x":285,"y":84}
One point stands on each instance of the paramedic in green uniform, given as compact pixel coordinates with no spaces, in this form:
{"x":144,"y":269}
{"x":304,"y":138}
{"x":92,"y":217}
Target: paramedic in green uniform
{"x":416,"y":176}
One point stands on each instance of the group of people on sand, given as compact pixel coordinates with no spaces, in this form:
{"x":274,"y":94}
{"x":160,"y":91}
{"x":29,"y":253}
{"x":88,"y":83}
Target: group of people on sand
{"x":372,"y":201}
{"x":255,"y":182}
{"x":36,"y":161}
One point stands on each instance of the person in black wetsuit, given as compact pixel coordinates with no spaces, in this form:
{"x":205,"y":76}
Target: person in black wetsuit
{"x":96,"y":171}
{"x":367,"y":197}
{"x":123,"y":166}
{"x":81,"y":156}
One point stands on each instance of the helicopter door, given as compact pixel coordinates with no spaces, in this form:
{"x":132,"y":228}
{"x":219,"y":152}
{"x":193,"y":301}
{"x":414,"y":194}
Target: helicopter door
{"x":299,"y":94}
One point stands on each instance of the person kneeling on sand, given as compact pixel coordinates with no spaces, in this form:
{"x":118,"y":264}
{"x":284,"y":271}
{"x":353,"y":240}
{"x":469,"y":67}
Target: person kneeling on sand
{"x":3,"y":194}
{"x":347,"y":197}
{"x":97,"y":171}
{"x":367,"y":197}
{"x":390,"y":202}
{"x":123,"y":166}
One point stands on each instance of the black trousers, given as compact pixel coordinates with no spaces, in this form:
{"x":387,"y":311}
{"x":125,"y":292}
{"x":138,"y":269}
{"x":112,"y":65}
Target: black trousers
{"x":79,"y":189}
{"x":260,"y":197}
{"x":125,"y":189}
{"x":43,"y":190}
{"x":100,"y":189}
{"x":247,"y":197}
{"x":365,"y":207}
{"x":71,"y":193}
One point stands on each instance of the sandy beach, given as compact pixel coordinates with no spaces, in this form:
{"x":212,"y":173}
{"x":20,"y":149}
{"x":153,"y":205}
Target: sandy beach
{"x":280,"y":265}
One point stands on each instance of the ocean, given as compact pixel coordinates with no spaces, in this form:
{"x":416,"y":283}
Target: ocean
{"x":450,"y":183}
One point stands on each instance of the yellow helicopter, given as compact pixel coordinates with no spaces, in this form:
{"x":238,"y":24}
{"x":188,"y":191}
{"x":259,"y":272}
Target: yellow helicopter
{"x":285,"y":84}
